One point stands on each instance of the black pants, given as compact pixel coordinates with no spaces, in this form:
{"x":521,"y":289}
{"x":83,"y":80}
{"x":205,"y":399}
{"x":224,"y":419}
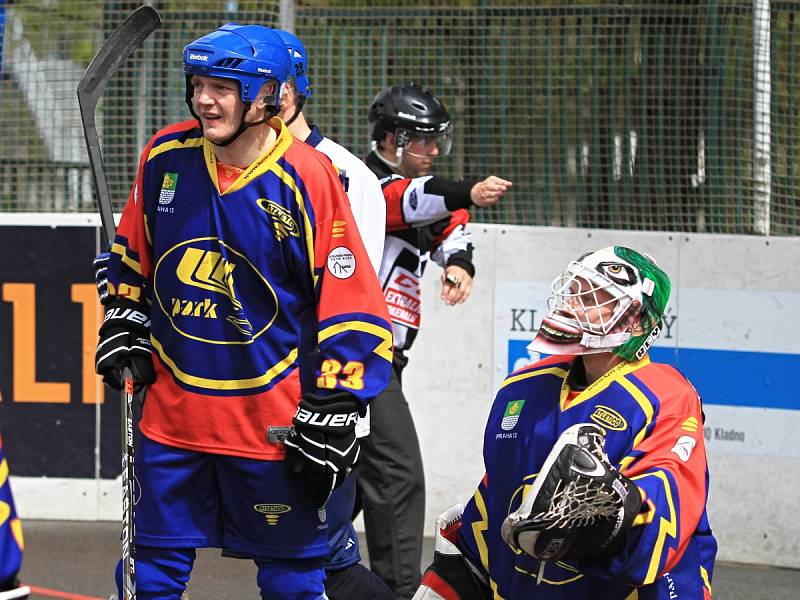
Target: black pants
{"x":391,"y":487}
{"x":356,"y":583}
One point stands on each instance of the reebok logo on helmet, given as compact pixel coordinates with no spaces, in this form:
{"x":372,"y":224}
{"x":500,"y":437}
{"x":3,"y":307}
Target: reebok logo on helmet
{"x":202,"y":57}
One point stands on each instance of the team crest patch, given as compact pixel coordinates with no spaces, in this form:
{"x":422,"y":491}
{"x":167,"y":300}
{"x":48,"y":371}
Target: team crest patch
{"x":283,"y":223}
{"x":341,"y":263}
{"x":272,"y":512}
{"x":322,"y":514}
{"x":609,"y":418}
{"x":511,"y":415}
{"x":168,"y":186}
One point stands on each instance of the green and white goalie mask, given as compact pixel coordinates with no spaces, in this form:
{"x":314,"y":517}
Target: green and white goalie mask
{"x":611,"y":300}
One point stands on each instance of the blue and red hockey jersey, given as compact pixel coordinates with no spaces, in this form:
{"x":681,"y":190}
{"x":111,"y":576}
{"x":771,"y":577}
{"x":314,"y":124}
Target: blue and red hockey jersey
{"x":11,"y":543}
{"x":654,"y":433}
{"x":256,"y":292}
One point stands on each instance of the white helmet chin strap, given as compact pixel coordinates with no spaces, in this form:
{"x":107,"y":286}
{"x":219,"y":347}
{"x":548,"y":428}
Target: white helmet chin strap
{"x":611,"y":340}
{"x":398,"y":155}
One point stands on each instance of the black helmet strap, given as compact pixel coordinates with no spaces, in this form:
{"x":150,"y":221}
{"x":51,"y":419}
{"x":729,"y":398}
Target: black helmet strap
{"x":301,"y":100}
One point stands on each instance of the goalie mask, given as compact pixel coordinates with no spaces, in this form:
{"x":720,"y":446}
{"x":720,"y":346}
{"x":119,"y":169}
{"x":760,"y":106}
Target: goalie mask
{"x":611,"y":300}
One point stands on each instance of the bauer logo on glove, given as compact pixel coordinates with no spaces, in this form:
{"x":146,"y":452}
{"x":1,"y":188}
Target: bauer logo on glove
{"x":323,"y":442}
{"x":579,"y":507}
{"x":311,"y":417}
{"x":125,"y":341}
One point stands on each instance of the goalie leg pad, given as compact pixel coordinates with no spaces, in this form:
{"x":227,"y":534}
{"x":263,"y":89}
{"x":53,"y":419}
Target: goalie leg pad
{"x":450,"y":576}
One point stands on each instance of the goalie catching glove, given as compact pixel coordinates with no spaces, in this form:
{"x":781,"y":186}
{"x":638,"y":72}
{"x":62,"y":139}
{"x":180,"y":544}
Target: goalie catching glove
{"x":579,"y":507}
{"x":323,"y":442}
{"x":125,"y":341}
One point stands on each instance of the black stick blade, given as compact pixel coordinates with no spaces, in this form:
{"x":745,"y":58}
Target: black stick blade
{"x":131,"y":33}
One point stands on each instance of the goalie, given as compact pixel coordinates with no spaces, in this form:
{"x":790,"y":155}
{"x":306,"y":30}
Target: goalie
{"x":596,"y":480}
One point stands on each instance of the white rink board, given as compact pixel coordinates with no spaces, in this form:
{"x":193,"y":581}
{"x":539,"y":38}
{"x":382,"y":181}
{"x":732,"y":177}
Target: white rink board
{"x":453,"y":371}
{"x":717,"y":340}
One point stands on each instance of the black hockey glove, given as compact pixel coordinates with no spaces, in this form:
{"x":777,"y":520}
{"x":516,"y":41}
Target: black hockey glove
{"x":580,"y":506}
{"x":323,"y":442}
{"x":125,"y":340}
{"x":101,"y":276}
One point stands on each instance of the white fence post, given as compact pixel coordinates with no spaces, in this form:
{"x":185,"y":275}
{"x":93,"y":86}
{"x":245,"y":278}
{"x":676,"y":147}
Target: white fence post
{"x":762,"y":97}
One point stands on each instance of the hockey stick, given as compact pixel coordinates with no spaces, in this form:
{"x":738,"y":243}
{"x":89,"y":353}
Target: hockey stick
{"x":128,"y":490}
{"x":116,"y":50}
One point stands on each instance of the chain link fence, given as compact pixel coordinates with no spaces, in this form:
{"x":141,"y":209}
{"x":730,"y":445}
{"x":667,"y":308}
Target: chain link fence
{"x":679,"y":115}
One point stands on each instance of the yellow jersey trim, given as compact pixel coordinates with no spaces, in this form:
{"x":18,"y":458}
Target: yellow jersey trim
{"x":478,"y":527}
{"x":384,"y":349}
{"x":122,"y":251}
{"x":558,"y":371}
{"x":665,"y":527}
{"x":647,"y":408}
{"x":615,"y":374}
{"x":706,"y":582}
{"x":258,"y":167}
{"x":301,"y":204}
{"x":225,"y":384}
{"x":174,"y":145}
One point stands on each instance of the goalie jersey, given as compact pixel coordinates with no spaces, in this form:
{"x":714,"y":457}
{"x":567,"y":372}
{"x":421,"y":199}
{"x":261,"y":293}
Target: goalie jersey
{"x":654,"y":435}
{"x":257,"y":292}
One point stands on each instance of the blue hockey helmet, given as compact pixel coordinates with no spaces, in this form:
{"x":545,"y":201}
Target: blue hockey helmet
{"x":251,"y":55}
{"x":297,"y":52}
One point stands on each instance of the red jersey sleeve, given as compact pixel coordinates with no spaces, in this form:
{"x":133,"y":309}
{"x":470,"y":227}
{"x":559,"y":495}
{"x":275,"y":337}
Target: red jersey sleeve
{"x":669,"y":467}
{"x":355,"y":338}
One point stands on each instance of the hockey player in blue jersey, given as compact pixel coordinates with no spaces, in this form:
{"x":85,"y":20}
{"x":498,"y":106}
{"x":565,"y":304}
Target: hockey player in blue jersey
{"x":267,"y":328}
{"x":347,"y":578}
{"x":596,"y":481}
